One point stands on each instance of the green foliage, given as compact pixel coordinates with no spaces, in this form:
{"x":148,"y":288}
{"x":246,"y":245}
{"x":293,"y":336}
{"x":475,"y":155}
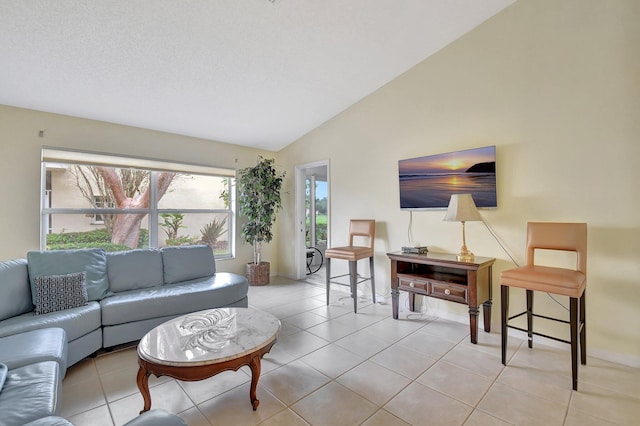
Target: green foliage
{"x":321,"y":206}
{"x":143,"y":238}
{"x":172,"y":222}
{"x":72,"y":246}
{"x":321,"y":219}
{"x":224,"y":195}
{"x":96,"y":236}
{"x":213,"y":230}
{"x":321,"y":234}
{"x":183,"y":240}
{"x":99,"y":238}
{"x":258,"y":201}
{"x":321,"y":203}
{"x":321,"y":229}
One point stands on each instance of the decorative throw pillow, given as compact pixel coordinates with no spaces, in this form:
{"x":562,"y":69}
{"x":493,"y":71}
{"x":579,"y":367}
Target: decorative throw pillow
{"x":59,"y":292}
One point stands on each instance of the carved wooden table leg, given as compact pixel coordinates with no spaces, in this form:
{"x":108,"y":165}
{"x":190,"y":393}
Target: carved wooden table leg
{"x":143,"y":385}
{"x":255,"y":375}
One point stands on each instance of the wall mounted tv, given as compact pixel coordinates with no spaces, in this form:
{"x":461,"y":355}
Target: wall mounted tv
{"x":428,"y":182}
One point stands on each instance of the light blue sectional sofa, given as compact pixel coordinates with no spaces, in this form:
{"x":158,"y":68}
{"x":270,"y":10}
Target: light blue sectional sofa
{"x":58,"y":307}
{"x":129,"y":293}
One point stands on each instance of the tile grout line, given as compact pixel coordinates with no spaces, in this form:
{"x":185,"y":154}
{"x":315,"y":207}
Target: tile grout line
{"x":104,"y":393}
{"x":314,"y":299}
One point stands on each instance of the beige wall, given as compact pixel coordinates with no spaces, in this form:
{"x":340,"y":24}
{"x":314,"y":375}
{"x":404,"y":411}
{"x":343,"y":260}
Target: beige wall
{"x":555,"y":85}
{"x":20,"y":168}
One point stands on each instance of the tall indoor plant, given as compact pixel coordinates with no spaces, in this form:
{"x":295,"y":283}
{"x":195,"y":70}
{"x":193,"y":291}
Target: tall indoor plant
{"x":258,"y":201}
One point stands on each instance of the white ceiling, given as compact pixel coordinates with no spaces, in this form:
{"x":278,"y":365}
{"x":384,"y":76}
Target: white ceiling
{"x":259,"y":73}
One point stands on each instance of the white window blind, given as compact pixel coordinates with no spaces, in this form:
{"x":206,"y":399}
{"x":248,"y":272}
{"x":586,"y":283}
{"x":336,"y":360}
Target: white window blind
{"x":57,"y":155}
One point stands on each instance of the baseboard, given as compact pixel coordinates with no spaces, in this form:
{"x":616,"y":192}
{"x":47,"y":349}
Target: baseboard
{"x":629,"y":360}
{"x":605,"y":355}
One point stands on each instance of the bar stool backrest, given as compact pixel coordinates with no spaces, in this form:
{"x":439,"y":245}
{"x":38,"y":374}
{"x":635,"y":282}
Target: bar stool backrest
{"x":558,"y":236}
{"x":362,"y":228}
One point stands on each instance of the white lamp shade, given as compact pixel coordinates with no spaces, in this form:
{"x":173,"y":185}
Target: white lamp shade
{"x":462,"y":209}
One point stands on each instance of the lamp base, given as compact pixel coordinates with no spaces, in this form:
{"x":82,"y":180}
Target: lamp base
{"x":465,"y":257}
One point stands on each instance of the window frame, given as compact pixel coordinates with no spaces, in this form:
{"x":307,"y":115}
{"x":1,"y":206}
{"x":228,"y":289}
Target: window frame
{"x":54,"y":158}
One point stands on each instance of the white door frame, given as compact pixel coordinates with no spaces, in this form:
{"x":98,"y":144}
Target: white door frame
{"x":300,"y":253}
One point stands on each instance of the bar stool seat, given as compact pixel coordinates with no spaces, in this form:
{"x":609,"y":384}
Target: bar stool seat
{"x":565,"y":282}
{"x":351,"y":253}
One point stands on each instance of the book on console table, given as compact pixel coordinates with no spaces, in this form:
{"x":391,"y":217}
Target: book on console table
{"x":415,"y":250}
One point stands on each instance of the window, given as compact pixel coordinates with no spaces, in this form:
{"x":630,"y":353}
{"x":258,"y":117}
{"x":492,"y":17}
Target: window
{"x":316,"y":207}
{"x":120,"y":203}
{"x":100,"y":202}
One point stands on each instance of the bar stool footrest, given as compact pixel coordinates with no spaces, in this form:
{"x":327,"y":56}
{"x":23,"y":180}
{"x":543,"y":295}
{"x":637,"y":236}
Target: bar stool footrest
{"x":535,"y":333}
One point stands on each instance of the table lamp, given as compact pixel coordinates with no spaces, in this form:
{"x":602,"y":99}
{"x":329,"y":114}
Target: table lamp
{"x":462,"y":209}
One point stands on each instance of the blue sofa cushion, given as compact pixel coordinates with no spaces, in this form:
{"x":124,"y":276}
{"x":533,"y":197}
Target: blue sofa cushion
{"x":47,"y":344}
{"x":134,"y":269}
{"x":76,"y":321}
{"x":220,"y":290}
{"x":30,"y":393}
{"x":59,"y":292}
{"x":186,"y":263}
{"x":91,"y":261}
{"x":15,"y":290}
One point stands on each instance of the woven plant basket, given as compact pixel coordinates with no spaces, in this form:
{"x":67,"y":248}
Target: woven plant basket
{"x":258,"y":274}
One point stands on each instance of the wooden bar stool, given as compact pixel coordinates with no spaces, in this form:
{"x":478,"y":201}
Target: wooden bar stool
{"x":560,"y":281}
{"x":357,"y":228}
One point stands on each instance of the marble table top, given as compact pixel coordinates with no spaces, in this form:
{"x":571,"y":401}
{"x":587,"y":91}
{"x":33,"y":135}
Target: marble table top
{"x":208,"y":337}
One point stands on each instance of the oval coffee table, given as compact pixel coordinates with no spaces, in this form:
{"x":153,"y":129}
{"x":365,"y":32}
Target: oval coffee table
{"x":202,"y":344}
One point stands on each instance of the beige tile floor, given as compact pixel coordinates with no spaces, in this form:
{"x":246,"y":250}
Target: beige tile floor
{"x":333,"y":367}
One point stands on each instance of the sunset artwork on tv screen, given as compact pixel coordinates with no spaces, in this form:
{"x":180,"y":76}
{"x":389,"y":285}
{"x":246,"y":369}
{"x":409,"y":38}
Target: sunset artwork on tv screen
{"x":428,"y":182}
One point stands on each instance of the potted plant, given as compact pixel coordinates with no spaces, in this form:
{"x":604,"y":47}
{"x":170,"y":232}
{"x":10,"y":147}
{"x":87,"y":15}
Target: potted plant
{"x":258,"y":201}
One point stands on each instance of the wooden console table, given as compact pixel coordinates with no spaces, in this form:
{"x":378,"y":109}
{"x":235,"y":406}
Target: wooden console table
{"x":441,"y":275}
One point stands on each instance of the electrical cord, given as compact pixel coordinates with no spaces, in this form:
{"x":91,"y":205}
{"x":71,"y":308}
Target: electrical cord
{"x":493,"y":234}
{"x":416,"y":315}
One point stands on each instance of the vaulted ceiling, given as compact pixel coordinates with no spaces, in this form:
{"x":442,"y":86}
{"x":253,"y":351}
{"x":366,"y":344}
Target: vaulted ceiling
{"x":259,"y":73}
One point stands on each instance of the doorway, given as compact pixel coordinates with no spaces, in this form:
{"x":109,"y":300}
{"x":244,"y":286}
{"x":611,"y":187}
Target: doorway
{"x":312,"y":219}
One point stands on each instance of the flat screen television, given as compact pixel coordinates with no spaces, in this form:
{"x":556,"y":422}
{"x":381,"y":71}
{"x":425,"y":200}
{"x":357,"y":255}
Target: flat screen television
{"x":428,"y":182}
